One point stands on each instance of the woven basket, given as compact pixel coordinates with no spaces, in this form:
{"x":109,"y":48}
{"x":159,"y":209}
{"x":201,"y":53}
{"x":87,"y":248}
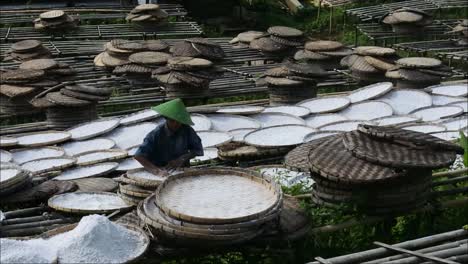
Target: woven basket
{"x":268,"y":183}
{"x":96,"y":185}
{"x":13,"y":151}
{"x":51,"y":203}
{"x":132,"y":190}
{"x":51,"y":142}
{"x":130,"y":199}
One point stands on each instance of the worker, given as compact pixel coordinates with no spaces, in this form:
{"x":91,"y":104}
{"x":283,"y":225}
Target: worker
{"x":172,"y":144}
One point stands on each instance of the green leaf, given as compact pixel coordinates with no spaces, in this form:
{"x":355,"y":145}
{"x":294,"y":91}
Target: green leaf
{"x":464,"y":143}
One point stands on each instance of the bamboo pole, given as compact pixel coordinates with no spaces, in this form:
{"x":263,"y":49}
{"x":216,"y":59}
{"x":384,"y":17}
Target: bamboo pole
{"x":450,"y":181}
{"x":29,"y":231}
{"x":440,"y":254}
{"x":24,"y":212}
{"x":463,"y":171}
{"x":37,"y":224}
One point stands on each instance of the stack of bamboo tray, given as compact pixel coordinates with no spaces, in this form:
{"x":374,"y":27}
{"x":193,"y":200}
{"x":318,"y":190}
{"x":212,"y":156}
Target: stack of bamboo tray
{"x":147,"y":15}
{"x":369,"y":63}
{"x":462,"y":28}
{"x":138,"y":184}
{"x":21,"y":85}
{"x":324,"y":53}
{"x":28,"y":50}
{"x":242,"y":40}
{"x":199,"y":48}
{"x":208,"y":207}
{"x":279,"y":40}
{"x":293,"y":82}
{"x":407,"y":20}
{"x":187,"y":76}
{"x":418,"y":72}
{"x":379,"y":170}
{"x":73,"y":104}
{"x":55,"y":20}
{"x":117,"y":51}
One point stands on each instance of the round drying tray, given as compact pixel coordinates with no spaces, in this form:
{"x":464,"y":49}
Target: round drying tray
{"x":395,"y":120}
{"x":182,"y":236}
{"x":133,"y":190}
{"x":12,"y":176}
{"x":395,"y":155}
{"x":48,"y":164}
{"x":129,"y":164}
{"x":410,"y":138}
{"x":213,"y":138}
{"x":424,"y":128}
{"x":299,"y":111}
{"x":45,"y":138}
{"x":74,"y":148}
{"x":433,"y":113}
{"x":150,"y":208}
{"x":5,"y":156}
{"x":451,"y":135}
{"x":320,"y":134}
{"x":456,"y":123}
{"x":144,"y":115}
{"x":325,"y":104}
{"x":130,"y":136}
{"x":249,"y":153}
{"x":98,"y":156}
{"x":276,"y":119}
{"x":8,"y":141}
{"x":24,"y":155}
{"x":367,"y":110}
{"x":370,"y":92}
{"x":462,"y":104}
{"x":239,"y":134}
{"x":130,"y":199}
{"x":347,"y":125}
{"x":96,"y":184}
{"x":333,"y":161}
{"x":94,"y":170}
{"x":278,"y":136}
{"x":217,"y":196}
{"x":449,"y":89}
{"x":88,"y":203}
{"x":241,"y":110}
{"x":403,"y":101}
{"x":144,"y":178}
{"x":200,"y":122}
{"x":145,"y":241}
{"x":94,"y":128}
{"x":445,"y":99}
{"x":323,"y":119}
{"x":226,"y":122}
{"x":209,"y":154}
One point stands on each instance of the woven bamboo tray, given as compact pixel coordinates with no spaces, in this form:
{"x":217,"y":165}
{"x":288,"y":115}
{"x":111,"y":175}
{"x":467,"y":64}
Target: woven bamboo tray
{"x":259,"y":182}
{"x":5,"y":156}
{"x":26,"y":141}
{"x":434,"y":113}
{"x":141,"y":233}
{"x":8,"y":141}
{"x":294,"y":110}
{"x":241,"y":110}
{"x":396,"y":120}
{"x":449,"y":89}
{"x":319,"y":120}
{"x":275,"y":119}
{"x":278,"y":136}
{"x":74,"y":148}
{"x":347,"y":125}
{"x":213,"y":138}
{"x":144,"y":115}
{"x":297,"y":159}
{"x":227,"y":122}
{"x":239,"y":134}
{"x":320,"y":134}
{"x":201,"y":122}
{"x":325,"y":104}
{"x":367,"y":110}
{"x":403,"y":101}
{"x":130,"y":199}
{"x":65,"y":162}
{"x":198,"y":239}
{"x":245,"y":152}
{"x":142,"y":177}
{"x":94,"y":170}
{"x":370,"y":92}
{"x":94,"y":128}
{"x":92,"y":157}
{"x":149,"y":205}
{"x":96,"y":185}
{"x":54,"y":203}
{"x":133,"y":190}
{"x":39,"y":153}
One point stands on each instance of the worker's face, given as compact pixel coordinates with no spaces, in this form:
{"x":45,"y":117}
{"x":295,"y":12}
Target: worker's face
{"x":172,"y":124}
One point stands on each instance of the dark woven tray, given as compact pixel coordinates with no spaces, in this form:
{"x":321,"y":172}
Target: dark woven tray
{"x":297,"y":159}
{"x":394,"y":134}
{"x":394,"y":154}
{"x":333,"y":161}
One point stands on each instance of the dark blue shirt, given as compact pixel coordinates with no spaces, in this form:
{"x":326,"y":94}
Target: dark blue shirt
{"x":162,"y":145}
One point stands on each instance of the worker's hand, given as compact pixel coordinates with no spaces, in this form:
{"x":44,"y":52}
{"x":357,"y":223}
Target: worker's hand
{"x":177,"y":163}
{"x":159,"y":172}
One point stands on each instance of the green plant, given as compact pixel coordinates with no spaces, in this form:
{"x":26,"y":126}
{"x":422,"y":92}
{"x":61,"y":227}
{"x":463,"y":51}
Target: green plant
{"x":464,"y":144}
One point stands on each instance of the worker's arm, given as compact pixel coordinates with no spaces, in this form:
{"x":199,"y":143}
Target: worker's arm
{"x":150,"y":166}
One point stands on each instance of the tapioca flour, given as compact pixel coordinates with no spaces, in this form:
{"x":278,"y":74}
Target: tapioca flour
{"x":95,"y":240}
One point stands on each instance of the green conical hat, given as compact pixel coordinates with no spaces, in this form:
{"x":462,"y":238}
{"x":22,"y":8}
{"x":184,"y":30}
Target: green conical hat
{"x":174,"y":109}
